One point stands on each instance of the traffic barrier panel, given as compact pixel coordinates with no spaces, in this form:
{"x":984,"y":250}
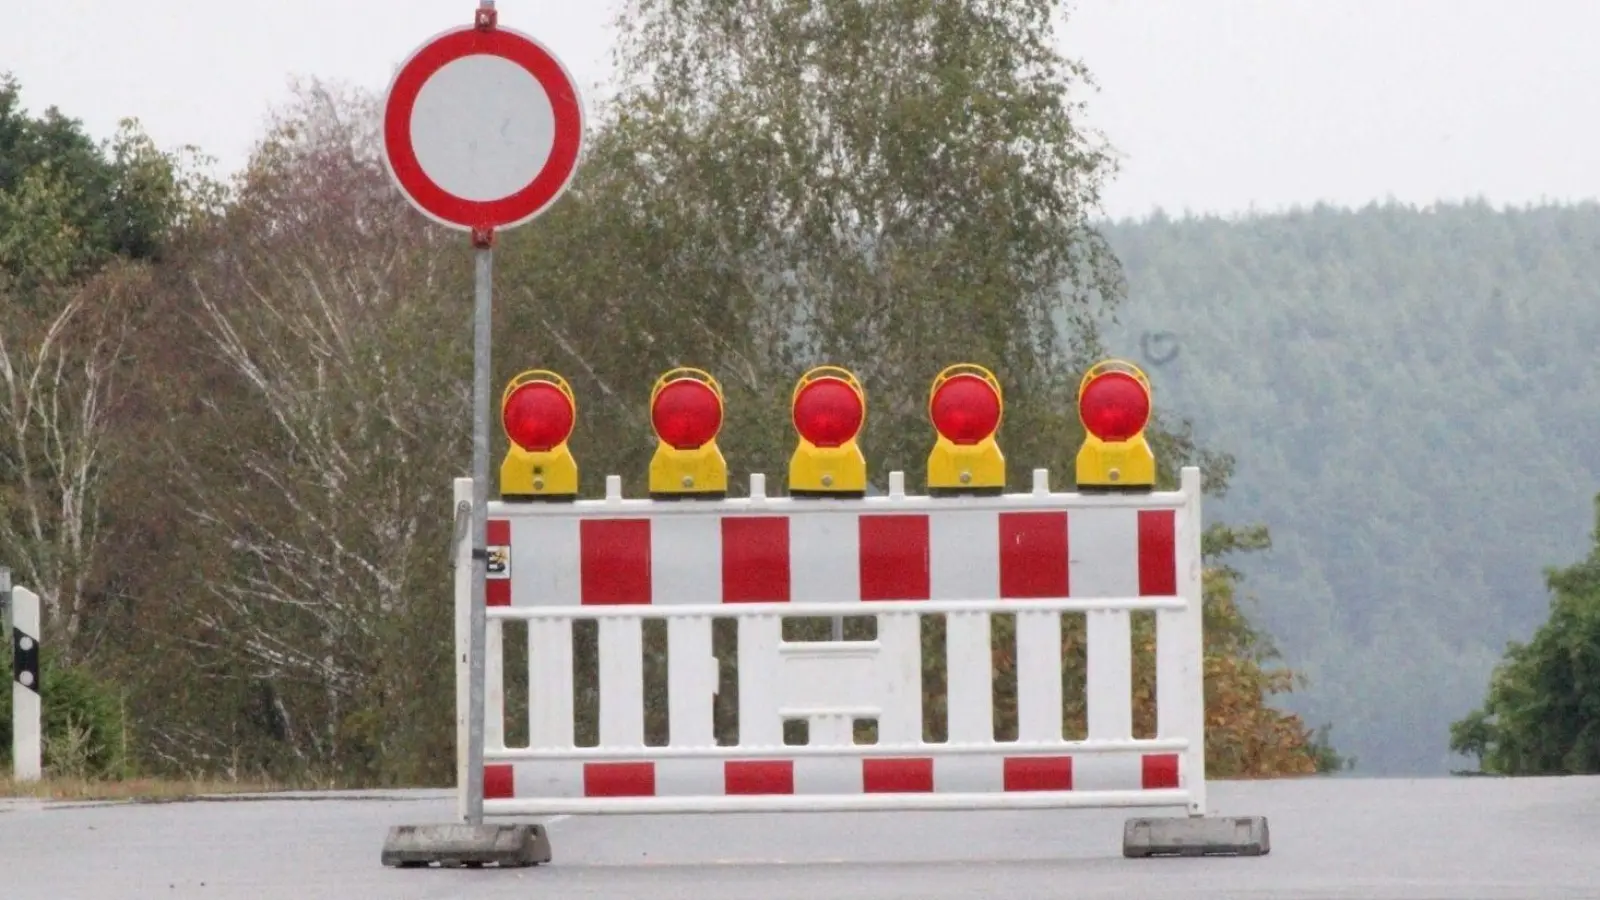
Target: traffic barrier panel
{"x":759,"y":560}
{"x":964,"y":552}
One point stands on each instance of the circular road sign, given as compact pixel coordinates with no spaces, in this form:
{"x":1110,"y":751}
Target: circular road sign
{"x":482,"y":127}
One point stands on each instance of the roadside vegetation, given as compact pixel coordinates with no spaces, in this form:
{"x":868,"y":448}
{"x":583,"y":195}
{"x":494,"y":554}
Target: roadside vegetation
{"x":230,"y":411}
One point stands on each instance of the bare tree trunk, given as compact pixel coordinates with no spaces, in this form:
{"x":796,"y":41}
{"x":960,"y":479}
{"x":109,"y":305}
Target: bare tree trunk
{"x":58,"y":383}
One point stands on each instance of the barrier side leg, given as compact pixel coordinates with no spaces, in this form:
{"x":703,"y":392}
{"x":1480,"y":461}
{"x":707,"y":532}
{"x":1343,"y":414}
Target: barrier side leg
{"x":458,"y":844}
{"x":1180,"y":712}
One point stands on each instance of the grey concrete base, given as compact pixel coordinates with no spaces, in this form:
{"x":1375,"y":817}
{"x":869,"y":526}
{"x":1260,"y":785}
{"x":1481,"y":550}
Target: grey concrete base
{"x":1196,"y":836}
{"x":462,"y":846}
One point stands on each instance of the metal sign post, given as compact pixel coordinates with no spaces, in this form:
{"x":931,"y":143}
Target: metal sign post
{"x":482,"y":130}
{"x":482,"y":324}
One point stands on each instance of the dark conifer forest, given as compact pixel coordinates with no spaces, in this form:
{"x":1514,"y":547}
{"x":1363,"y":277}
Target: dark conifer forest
{"x":1413,"y":404}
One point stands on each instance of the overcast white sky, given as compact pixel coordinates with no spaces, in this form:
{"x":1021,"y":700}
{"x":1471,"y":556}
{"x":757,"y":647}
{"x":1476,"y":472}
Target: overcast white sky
{"x":1217,"y":105}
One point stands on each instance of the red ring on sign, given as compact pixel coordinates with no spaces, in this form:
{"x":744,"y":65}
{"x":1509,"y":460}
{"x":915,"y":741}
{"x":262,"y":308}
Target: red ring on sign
{"x":402,"y":156}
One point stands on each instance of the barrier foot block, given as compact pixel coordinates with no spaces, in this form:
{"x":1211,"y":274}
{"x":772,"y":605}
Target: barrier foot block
{"x":466,"y":846}
{"x":1196,"y":836}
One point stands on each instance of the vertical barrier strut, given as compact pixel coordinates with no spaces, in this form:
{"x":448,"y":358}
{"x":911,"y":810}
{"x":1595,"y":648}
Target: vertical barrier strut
{"x":463,"y":566}
{"x":1180,"y":676}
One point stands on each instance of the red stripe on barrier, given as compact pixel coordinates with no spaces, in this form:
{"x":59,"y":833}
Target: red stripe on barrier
{"x":1158,"y":552}
{"x":615,"y":561}
{"x":1038,"y":773}
{"x":497,"y":591}
{"x":499,"y":782}
{"x":619,"y":779}
{"x":755,"y":559}
{"x":897,"y":776}
{"x":1033,"y":555}
{"x":1160,"y":771}
{"x":758,"y":777}
{"x":499,"y":531}
{"x":894,"y":557}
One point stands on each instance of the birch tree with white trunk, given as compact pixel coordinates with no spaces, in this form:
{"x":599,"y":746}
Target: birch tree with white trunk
{"x":59,"y":379}
{"x":338,"y":316}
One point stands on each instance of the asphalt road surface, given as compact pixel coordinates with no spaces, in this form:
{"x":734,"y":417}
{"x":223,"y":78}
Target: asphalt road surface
{"x":1442,"y":839}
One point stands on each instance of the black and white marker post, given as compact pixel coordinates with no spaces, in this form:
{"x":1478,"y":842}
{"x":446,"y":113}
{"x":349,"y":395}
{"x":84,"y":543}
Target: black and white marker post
{"x":27,"y":737}
{"x":482,"y":130}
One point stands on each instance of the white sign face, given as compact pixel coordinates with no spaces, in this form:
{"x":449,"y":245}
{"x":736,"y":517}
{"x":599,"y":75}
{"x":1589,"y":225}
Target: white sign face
{"x":483,"y":128}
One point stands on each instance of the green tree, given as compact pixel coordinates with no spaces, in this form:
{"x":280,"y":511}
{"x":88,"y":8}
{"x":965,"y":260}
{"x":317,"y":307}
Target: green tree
{"x":80,"y":224}
{"x":68,"y":204}
{"x":1542,"y":713}
{"x":892,"y":187}
{"x":309,"y":620}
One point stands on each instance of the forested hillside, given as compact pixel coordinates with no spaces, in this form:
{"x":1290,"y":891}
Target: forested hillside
{"x":1413,"y":402}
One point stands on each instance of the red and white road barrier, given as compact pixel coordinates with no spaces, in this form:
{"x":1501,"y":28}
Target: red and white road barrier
{"x":898,"y":557}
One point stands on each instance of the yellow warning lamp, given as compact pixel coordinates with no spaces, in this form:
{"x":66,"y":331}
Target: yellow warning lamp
{"x":1114,"y":406}
{"x":686,"y":412}
{"x":829,"y":408}
{"x":537,"y":412}
{"x":965,"y":404}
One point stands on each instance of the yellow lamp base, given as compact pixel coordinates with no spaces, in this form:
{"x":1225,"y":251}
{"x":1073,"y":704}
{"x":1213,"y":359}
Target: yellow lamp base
{"x":527,"y":476}
{"x":956,"y":469}
{"x":698,"y":474}
{"x":828,"y":471}
{"x":1126,"y":466}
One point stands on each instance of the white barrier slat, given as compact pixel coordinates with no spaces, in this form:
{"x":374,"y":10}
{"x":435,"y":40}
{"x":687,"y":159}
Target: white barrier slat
{"x":691,"y":683}
{"x":900,"y":636}
{"x":759,"y":724}
{"x":551,"y":719}
{"x":621,"y":683}
{"x":1109,"y":675}
{"x":1039,"y":676}
{"x":494,"y":685}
